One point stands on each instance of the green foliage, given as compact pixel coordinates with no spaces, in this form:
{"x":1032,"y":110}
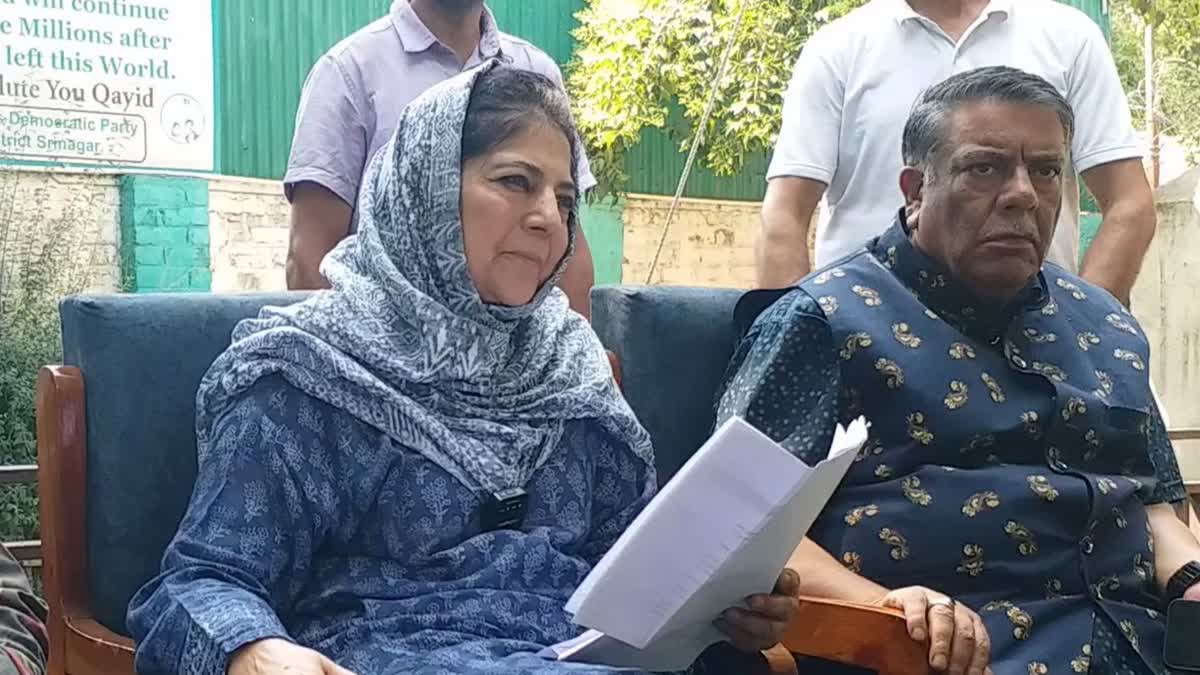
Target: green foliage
{"x":652,"y":64}
{"x":1175,"y":24}
{"x":1127,"y":52}
{"x":644,"y":64}
{"x":1176,"y":64}
{"x":37,"y":264}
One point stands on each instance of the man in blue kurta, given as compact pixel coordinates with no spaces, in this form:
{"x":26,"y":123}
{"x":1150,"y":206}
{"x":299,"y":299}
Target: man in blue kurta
{"x":1014,"y":498}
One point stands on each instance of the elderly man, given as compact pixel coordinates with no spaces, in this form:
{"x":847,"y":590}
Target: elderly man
{"x":1015,"y":496}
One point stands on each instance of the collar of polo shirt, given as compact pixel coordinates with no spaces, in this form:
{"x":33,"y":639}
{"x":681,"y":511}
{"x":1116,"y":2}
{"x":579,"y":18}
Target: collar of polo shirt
{"x":905,"y":12}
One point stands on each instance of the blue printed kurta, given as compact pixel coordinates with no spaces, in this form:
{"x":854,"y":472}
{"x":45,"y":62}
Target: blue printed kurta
{"x":309,"y":525}
{"x":1011,"y":454}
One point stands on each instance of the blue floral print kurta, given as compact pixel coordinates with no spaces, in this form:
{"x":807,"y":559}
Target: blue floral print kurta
{"x":309,"y":525}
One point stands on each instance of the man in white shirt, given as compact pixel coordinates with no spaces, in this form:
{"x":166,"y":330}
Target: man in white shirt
{"x":855,"y":83}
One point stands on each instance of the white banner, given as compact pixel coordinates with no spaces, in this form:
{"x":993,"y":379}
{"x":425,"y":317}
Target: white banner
{"x":108,"y":83}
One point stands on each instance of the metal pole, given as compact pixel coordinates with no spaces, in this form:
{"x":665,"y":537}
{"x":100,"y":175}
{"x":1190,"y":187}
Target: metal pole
{"x":1151,"y":106}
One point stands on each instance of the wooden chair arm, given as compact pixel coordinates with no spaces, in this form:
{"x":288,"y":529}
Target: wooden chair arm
{"x":1184,"y":434}
{"x":92,"y":648}
{"x":866,"y":636}
{"x":780,"y":661}
{"x":78,"y":644}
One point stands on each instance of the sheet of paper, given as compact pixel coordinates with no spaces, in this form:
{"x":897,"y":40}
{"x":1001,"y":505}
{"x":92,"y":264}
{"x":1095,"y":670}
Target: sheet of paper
{"x":663,"y":655}
{"x":720,"y":530}
{"x":656,"y":563}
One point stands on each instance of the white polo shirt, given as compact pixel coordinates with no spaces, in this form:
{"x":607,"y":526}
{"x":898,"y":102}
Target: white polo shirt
{"x":857,"y":79}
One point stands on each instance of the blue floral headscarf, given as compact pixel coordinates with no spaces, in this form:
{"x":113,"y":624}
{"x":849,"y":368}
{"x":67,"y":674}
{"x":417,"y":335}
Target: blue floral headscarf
{"x":403,"y":342}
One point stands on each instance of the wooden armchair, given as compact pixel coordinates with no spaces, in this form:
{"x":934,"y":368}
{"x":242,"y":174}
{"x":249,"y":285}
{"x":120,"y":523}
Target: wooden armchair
{"x":117,"y":457}
{"x":116,"y":453}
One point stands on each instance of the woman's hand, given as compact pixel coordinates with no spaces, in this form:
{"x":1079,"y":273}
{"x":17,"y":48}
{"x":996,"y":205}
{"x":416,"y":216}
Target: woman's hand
{"x":280,"y":657}
{"x":761,"y":625}
{"x":958,"y":641}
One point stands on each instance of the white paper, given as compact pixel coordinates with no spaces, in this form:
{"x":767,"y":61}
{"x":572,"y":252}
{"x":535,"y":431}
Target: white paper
{"x":719,"y":531}
{"x":662,"y":655}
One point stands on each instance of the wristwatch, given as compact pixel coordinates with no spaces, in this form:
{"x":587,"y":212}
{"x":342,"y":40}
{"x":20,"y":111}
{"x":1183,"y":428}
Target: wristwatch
{"x":1183,"y":579}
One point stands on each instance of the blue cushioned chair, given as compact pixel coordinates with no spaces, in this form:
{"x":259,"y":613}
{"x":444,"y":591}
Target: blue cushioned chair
{"x":673,"y":345}
{"x":117,"y":452}
{"x":117,"y":456}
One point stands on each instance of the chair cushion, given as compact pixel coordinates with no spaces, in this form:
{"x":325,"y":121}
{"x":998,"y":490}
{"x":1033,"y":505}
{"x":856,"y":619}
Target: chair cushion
{"x":674,"y":344}
{"x":142,"y":357}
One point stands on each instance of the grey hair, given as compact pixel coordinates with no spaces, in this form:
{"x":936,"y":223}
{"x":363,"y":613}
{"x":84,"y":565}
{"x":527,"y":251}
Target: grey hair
{"x":925,"y":129}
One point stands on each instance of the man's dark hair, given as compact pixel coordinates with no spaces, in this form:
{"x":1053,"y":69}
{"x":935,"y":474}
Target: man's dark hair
{"x":925,"y":129}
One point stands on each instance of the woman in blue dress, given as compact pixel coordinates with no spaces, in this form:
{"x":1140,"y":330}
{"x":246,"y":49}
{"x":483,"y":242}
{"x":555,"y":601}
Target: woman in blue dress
{"x":411,"y":472}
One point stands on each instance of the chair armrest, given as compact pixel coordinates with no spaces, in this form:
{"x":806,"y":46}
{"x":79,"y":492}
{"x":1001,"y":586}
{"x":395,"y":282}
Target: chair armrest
{"x":92,"y":648}
{"x":78,"y":644}
{"x":1184,"y":434}
{"x":866,"y":636}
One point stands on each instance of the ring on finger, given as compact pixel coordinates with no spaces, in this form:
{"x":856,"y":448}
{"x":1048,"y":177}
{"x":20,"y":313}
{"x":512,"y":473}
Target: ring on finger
{"x":942,"y":602}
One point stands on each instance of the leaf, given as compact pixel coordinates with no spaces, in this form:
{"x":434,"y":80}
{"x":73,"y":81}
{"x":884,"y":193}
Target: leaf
{"x":1176,"y":64}
{"x":637,"y":59}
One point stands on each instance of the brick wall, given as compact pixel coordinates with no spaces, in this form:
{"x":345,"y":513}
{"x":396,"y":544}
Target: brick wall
{"x":248,"y":221}
{"x":164,"y":234}
{"x":711,"y":243}
{"x":72,"y":217}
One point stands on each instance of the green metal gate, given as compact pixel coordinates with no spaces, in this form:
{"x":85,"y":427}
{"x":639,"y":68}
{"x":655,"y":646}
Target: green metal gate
{"x":265,"y":48}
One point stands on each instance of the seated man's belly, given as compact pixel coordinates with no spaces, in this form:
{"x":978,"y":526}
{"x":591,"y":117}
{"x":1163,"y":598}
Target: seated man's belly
{"x":1039,"y":555}
{"x":997,"y":537}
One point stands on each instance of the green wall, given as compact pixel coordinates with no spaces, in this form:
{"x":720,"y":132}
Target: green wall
{"x":604,"y":226}
{"x":267,"y":46}
{"x":164,"y":234}
{"x":265,"y":49}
